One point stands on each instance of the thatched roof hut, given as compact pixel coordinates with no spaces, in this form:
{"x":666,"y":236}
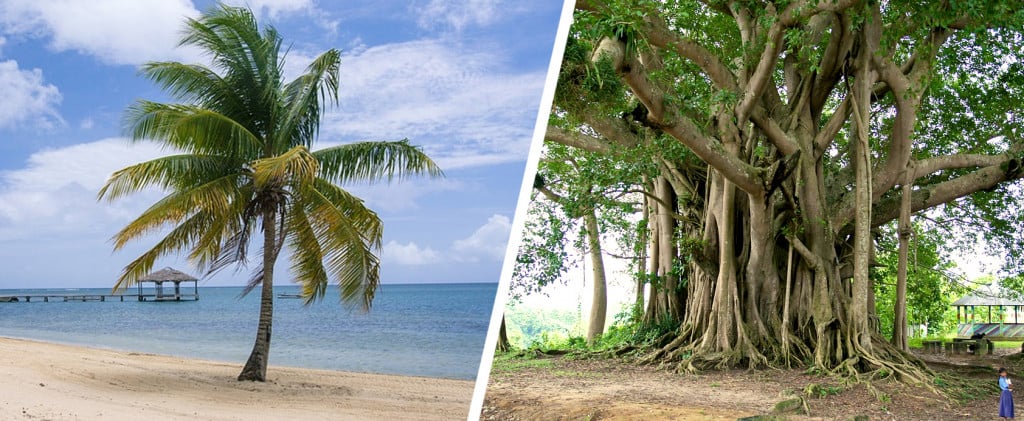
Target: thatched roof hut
{"x":168,"y":274}
{"x":157,"y":279}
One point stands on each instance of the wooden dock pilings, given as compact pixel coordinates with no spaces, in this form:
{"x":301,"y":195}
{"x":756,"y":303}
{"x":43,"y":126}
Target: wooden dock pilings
{"x":61,"y":297}
{"x":95,"y":297}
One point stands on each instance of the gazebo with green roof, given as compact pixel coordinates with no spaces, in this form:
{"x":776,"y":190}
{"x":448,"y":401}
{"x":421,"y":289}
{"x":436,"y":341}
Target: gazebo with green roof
{"x":989,"y":296}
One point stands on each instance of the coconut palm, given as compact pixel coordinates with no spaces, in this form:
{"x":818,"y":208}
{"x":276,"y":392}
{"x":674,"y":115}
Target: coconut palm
{"x":245,"y":165}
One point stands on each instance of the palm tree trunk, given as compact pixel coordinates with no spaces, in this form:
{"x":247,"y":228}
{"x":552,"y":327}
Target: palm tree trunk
{"x":256,"y":367}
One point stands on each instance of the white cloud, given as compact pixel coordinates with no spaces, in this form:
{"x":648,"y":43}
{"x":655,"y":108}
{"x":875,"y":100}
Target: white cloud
{"x":57,"y":189}
{"x":459,"y":14}
{"x":401,"y":196}
{"x":86,"y":123}
{"x":48,"y":211}
{"x":27,"y":97}
{"x":408,"y":254}
{"x":115,"y":31}
{"x":274,"y":8}
{"x":461,"y":106}
{"x":488,"y":242}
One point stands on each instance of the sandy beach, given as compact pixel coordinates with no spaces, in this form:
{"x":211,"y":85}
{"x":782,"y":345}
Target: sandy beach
{"x":45,"y":381}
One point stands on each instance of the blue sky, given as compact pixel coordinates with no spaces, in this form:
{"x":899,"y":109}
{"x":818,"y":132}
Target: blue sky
{"x":463,"y":79}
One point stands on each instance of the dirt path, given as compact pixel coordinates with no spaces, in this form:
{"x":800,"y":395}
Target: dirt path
{"x":569,"y":389}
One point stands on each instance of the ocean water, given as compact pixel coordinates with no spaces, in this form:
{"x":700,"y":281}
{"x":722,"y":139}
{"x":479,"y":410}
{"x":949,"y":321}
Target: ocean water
{"x":433,"y":330}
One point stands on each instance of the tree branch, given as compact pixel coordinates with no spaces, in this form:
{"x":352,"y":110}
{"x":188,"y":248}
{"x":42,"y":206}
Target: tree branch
{"x":928,"y":166}
{"x":930,"y":196}
{"x":765,"y":66}
{"x":577,"y":140}
{"x":659,"y":35}
{"x":683,"y":129}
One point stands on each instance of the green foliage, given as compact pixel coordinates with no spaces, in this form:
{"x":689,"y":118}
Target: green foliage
{"x":626,"y":330}
{"x":513,"y":362}
{"x":930,"y":287}
{"x":543,"y":256}
{"x":546,"y":330}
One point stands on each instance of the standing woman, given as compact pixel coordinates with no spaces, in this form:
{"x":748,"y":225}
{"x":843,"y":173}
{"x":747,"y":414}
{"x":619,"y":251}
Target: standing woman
{"x":1006,"y":396}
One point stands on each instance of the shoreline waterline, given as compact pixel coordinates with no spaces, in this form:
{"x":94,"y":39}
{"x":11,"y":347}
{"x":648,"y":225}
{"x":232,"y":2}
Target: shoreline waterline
{"x":58,"y":381}
{"x":430,"y":330}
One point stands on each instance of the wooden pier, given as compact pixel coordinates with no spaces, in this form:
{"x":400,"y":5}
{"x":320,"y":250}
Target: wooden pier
{"x":145,"y":293}
{"x":28,"y":298}
{"x":64,"y":297}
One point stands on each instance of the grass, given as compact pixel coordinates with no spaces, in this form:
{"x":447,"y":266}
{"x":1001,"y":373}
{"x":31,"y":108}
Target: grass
{"x":919,"y":342}
{"x":509,"y":363}
{"x":1008,"y":344}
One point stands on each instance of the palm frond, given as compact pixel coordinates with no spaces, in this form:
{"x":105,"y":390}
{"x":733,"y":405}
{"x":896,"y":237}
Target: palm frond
{"x":194,"y":84}
{"x":296,"y":166}
{"x":348,"y":234}
{"x":192,"y":129}
{"x":307,"y":255}
{"x":354,"y":209}
{"x":176,"y":240}
{"x":373,"y":161}
{"x":172,"y":171}
{"x":250,"y":60}
{"x":214,"y":197}
{"x":306,"y":95}
{"x":254,"y":281}
{"x":225,"y":241}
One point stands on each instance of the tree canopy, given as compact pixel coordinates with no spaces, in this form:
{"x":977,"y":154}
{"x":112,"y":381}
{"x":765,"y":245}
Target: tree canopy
{"x":246,"y":166}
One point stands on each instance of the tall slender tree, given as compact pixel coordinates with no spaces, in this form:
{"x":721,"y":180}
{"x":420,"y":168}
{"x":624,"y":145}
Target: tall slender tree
{"x":245,"y":165}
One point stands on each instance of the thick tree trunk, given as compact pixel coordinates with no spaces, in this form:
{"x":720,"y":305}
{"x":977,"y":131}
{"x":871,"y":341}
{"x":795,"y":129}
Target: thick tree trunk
{"x":862,"y":241}
{"x":599,"y":303}
{"x":256,"y":367}
{"x":667,"y":299}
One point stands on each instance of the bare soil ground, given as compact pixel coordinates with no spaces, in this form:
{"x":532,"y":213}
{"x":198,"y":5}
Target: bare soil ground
{"x":568,"y":388}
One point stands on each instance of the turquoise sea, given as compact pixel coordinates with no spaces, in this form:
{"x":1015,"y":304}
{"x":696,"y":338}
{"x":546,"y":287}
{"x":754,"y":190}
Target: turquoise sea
{"x":434,"y":330}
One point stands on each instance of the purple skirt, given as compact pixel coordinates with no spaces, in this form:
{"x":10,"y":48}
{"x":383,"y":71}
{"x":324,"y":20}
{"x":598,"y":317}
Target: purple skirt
{"x":1006,"y":404}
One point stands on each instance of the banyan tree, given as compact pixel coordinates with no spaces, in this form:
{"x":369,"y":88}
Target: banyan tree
{"x":773,"y":138}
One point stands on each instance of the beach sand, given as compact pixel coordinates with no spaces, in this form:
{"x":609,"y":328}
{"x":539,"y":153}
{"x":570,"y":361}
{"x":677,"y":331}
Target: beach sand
{"x":45,"y":381}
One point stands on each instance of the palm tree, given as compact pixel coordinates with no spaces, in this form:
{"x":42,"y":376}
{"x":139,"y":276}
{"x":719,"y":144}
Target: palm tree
{"x":245,"y":163}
